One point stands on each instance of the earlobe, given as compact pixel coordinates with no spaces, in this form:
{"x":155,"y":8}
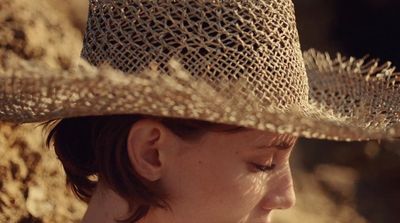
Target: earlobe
{"x":143,"y":144}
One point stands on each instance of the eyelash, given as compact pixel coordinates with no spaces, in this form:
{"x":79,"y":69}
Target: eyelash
{"x":263,"y":168}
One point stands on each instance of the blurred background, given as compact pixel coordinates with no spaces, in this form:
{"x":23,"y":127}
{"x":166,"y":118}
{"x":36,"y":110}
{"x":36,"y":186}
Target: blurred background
{"x":362,"y":175}
{"x":335,"y":181}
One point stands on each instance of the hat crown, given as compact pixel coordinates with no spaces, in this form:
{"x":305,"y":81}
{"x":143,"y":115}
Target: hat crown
{"x":215,"y":40}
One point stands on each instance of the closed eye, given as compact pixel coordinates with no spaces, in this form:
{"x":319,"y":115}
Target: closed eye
{"x":264,"y":168}
{"x":284,"y":146}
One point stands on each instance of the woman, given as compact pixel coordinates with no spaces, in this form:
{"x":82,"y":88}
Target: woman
{"x":198,"y":123}
{"x":186,"y":170}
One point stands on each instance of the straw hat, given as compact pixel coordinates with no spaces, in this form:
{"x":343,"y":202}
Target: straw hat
{"x":232,"y":62}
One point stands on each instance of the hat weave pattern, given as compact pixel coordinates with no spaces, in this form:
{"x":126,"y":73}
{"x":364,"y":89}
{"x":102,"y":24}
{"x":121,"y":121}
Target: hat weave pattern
{"x":215,"y":40}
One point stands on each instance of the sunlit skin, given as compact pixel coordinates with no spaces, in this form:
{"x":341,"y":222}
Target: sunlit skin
{"x":226,"y":177}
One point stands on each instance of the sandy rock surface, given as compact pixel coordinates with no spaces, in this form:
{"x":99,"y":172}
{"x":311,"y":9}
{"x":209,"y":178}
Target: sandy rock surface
{"x":34,"y":30}
{"x":32,"y":182}
{"x":32,"y":186}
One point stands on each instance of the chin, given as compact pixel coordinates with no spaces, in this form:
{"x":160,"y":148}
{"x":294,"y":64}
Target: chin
{"x":266,"y":218}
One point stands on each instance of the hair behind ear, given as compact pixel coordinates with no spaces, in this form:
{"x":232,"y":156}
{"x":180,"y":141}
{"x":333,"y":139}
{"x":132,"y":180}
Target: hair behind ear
{"x":76,"y":155}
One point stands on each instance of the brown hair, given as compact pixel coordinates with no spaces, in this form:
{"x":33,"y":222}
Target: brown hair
{"x":96,"y":146}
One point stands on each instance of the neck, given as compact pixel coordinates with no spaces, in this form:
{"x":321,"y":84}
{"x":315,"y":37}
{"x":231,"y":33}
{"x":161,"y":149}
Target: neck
{"x":106,"y":206}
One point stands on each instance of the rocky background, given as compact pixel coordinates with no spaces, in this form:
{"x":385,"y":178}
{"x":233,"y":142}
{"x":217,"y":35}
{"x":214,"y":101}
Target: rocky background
{"x":335,"y":181}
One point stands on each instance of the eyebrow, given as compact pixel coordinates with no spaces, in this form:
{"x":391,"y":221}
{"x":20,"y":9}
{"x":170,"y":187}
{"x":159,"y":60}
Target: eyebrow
{"x":281,"y":144}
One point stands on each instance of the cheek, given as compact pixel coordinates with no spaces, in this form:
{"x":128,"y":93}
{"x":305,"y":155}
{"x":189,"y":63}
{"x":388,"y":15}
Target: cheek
{"x":212,"y":183}
{"x":227,"y":193}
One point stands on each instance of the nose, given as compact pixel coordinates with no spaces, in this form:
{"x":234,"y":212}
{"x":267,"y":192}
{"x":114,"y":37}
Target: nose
{"x":280,"y":193}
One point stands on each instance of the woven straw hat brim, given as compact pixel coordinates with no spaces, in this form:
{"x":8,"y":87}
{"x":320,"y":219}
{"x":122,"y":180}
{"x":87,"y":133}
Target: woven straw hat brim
{"x":238,"y":62}
{"x":337,"y":109}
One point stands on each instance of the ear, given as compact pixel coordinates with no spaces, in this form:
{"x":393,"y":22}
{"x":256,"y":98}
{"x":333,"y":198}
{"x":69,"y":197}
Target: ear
{"x":145,"y":140}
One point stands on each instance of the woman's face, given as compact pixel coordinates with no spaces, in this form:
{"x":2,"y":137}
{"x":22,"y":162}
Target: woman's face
{"x":221,"y":179}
